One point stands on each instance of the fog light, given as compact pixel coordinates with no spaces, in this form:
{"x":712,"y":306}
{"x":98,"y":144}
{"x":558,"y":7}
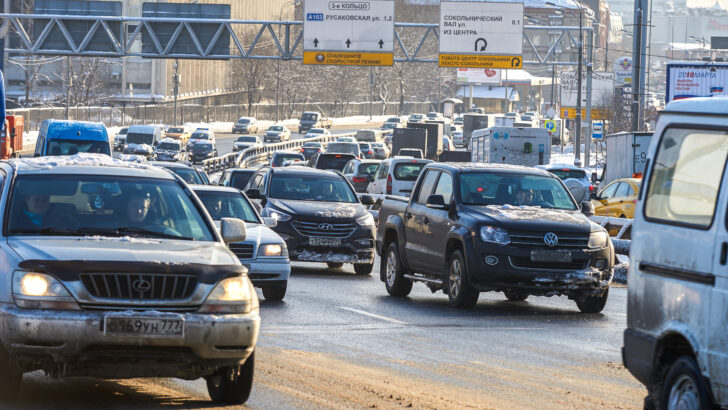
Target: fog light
{"x":601,"y":264}
{"x":491,"y":260}
{"x":364,"y":243}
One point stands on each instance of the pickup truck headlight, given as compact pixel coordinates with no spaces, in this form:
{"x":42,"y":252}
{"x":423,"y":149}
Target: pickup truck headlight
{"x":366,"y":220}
{"x":231,"y":295}
{"x":598,"y":240}
{"x":495,"y":235}
{"x":272,"y":250}
{"x":34,"y":290}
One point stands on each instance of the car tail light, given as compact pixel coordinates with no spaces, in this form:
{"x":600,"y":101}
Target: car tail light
{"x":634,"y":201}
{"x":637,"y":175}
{"x":591,"y":188}
{"x":359,"y":179}
{"x":389,"y":184}
{"x":370,"y":153}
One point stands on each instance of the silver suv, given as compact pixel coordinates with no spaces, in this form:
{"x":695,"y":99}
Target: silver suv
{"x":112,"y":269}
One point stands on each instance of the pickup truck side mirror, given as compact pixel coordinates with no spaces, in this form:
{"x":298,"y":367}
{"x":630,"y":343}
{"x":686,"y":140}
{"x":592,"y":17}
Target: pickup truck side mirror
{"x":436,"y":202}
{"x":367,"y":200}
{"x":253,"y":194}
{"x":587,"y":208}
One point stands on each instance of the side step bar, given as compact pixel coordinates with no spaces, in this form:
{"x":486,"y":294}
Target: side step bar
{"x":419,"y":278}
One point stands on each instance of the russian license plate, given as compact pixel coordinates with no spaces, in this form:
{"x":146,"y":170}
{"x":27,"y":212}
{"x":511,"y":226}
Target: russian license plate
{"x":140,"y":326}
{"x":406,"y":193}
{"x":550,"y":256}
{"x":324,"y":241}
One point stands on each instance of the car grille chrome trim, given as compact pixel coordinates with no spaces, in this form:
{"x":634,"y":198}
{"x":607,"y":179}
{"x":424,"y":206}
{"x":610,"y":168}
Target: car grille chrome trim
{"x":536,"y":240}
{"x":143,"y":308}
{"x":160,"y":286}
{"x":243,"y":250}
{"x":312,"y":229}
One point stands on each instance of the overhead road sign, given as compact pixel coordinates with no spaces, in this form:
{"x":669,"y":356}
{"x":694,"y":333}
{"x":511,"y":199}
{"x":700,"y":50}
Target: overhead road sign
{"x":348,"y":32}
{"x":481,"y":34}
{"x":69,"y":34}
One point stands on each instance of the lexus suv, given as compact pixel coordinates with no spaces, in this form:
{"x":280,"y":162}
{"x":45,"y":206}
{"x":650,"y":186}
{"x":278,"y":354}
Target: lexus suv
{"x":318,"y":215}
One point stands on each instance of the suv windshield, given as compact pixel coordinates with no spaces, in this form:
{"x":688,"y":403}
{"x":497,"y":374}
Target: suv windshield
{"x":169,"y":146}
{"x":308,"y":117}
{"x":139,"y":138}
{"x":227,"y":205}
{"x":565,"y":174}
{"x":247,"y":139}
{"x":311,"y":188}
{"x":202,"y":147}
{"x":408,"y":171}
{"x":188,"y":175}
{"x":71,"y":147}
{"x":337,"y":162}
{"x":494,"y":188}
{"x":108,"y":205}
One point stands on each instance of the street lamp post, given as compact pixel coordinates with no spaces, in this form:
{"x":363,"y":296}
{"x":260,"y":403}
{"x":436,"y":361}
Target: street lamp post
{"x":176,"y":88}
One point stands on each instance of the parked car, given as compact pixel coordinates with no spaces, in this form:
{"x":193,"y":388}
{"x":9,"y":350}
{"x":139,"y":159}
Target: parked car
{"x":493,"y":227}
{"x":236,"y":177}
{"x":188,"y":173}
{"x":575,"y":178}
{"x":344,"y":148}
{"x":201,"y":135}
{"x":114,"y":270}
{"x":169,"y":149}
{"x":330,"y":161}
{"x":618,"y":199}
{"x":360,"y":172}
{"x":245,"y":142}
{"x":181,"y":134}
{"x":381,"y":150}
{"x":120,"y":139}
{"x":246,"y":125}
{"x":279,"y":157}
{"x":318,"y":214}
{"x":411,"y":152}
{"x":366,"y":150}
{"x":677,"y":298}
{"x":60,"y":137}
{"x":277,"y":133}
{"x":310,"y":148}
{"x":416,"y":118}
{"x":202,"y":151}
{"x":263,"y":251}
{"x":396,"y":176}
{"x":317,"y":132}
{"x":457,"y":139}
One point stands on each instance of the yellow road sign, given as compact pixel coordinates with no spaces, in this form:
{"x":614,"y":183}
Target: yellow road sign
{"x":570,"y":113}
{"x":478,"y":61}
{"x":347,"y":58}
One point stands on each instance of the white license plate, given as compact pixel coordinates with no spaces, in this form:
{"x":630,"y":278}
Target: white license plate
{"x":324,"y":241}
{"x":406,"y":193}
{"x":551,"y":256}
{"x":141,"y":326}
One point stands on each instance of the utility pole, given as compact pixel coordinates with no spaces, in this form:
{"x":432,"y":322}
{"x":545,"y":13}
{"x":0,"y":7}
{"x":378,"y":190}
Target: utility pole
{"x":589,"y":67}
{"x":638,"y":64}
{"x":577,"y":143}
{"x":371,"y":90}
{"x":176,"y":88}
{"x":278,"y":89}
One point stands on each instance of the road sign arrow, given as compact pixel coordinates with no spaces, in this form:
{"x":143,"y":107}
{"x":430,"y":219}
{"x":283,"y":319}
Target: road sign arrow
{"x":381,"y":43}
{"x":315,"y":42}
{"x":348,"y":43}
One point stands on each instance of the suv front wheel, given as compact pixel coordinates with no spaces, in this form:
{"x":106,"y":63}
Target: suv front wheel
{"x":232,"y":385}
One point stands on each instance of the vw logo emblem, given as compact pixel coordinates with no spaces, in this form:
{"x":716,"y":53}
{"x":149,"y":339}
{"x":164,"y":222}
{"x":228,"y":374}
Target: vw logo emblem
{"x":326,"y":227}
{"x":550,"y":239}
{"x":141,"y":285}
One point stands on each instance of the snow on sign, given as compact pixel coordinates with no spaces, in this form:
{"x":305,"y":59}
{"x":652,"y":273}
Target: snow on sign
{"x":348,"y":32}
{"x":481,"y":34}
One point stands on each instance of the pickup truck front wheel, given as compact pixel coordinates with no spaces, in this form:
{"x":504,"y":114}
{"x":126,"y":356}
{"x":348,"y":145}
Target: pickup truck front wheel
{"x":363,"y":268}
{"x":232,"y":386}
{"x":592,"y":304}
{"x":459,"y":291}
{"x":397,"y":285}
{"x":10,"y":378}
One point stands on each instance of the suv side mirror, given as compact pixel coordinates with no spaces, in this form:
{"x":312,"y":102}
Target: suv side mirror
{"x":367,"y":200}
{"x":587,"y":208}
{"x":436,"y":202}
{"x":233,"y":230}
{"x":253,"y":193}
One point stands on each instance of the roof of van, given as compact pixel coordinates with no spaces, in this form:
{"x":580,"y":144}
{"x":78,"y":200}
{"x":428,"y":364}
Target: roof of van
{"x":699,"y":105}
{"x":63,"y":129}
{"x":144,"y":129}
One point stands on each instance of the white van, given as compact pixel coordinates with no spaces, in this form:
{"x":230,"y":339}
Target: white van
{"x":676,"y":341}
{"x":396,"y":176}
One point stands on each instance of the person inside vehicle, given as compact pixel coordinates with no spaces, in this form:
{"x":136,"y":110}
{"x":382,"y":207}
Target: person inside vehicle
{"x":34,"y":212}
{"x":214,"y":207}
{"x":524,"y":197}
{"x":137,"y":208}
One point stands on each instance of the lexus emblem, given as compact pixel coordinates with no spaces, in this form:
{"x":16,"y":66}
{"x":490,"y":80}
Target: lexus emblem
{"x":550,"y":239}
{"x":141,"y":285}
{"x":326,"y":227}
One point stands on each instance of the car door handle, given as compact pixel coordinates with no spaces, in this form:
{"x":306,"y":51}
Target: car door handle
{"x":723,"y":253}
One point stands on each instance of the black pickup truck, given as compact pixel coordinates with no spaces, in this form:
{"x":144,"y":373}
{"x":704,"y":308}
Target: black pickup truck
{"x":470,"y":228}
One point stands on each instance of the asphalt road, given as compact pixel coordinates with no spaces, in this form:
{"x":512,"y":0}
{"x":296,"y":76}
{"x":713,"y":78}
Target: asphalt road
{"x":338,"y":341}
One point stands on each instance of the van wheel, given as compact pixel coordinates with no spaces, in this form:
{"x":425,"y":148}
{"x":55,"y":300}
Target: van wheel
{"x":459,"y":291}
{"x":225,"y":388}
{"x":685,"y":387}
{"x":10,"y":378}
{"x":275,"y":293}
{"x":334,"y":265}
{"x":397,"y":285}
{"x":592,"y":304}
{"x":363,"y":268}
{"x":514,"y":296}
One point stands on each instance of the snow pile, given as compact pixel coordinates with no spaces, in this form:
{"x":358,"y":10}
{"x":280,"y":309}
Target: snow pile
{"x":130,"y":239}
{"x":621,"y":269}
{"x":81,"y":159}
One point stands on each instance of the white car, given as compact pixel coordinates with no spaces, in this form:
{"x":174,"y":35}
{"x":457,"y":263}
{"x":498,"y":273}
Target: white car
{"x":277,"y":133}
{"x":317,"y":132}
{"x":457,"y":138}
{"x":245,"y":142}
{"x":200,"y":135}
{"x":396,"y":176}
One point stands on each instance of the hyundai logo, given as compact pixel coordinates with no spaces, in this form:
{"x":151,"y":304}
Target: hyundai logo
{"x":550,"y":239}
{"x":326,"y":227}
{"x":141,"y":285}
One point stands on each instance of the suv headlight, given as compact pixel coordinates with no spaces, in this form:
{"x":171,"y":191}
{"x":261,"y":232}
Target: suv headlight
{"x":279,"y":216}
{"x":33,"y":290}
{"x":273,"y":250}
{"x":231,"y":295}
{"x":494,"y":234}
{"x":598,"y":240}
{"x":366,"y":220}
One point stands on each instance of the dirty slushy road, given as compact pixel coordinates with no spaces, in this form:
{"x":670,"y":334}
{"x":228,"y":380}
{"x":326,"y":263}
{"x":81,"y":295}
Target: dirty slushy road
{"x":338,"y":341}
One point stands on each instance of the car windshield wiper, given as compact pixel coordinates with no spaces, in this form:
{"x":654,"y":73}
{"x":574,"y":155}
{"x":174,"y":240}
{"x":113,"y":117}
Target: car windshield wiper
{"x":132,"y":231}
{"x":48,"y":231}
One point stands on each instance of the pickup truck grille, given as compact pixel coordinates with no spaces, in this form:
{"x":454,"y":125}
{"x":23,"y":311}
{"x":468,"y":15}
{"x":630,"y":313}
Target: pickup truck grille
{"x":136,"y":286}
{"x":321,"y":229}
{"x":535,"y":240}
{"x":242,"y":250}
{"x":527,"y":263}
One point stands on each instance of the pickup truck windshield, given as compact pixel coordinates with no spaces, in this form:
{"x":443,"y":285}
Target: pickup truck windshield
{"x":494,"y":188}
{"x":139,"y":138}
{"x":106,"y":205}
{"x":311,"y":188}
{"x":227,"y":205}
{"x":71,"y":147}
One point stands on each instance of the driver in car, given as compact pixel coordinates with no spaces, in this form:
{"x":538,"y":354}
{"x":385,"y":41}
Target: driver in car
{"x":524,"y":197}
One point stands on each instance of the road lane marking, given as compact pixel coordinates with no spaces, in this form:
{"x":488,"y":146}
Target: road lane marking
{"x":380,"y":317}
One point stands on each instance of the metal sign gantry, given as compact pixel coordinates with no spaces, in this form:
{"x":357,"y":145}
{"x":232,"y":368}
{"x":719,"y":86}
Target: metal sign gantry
{"x":118,"y":37}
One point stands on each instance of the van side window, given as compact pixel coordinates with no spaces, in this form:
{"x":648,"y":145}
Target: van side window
{"x":686,"y":176}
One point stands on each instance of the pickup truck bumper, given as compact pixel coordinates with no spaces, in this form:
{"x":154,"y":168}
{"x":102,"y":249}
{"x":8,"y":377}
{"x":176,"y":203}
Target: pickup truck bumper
{"x":73,"y":343}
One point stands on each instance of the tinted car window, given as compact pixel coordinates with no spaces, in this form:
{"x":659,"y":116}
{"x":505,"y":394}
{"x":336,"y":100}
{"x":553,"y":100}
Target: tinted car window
{"x":244,"y":121}
{"x":247,"y":139}
{"x":227,"y":205}
{"x":507,"y":189}
{"x":188,"y":175}
{"x":337,"y":162}
{"x":311,"y":188}
{"x":200,"y":136}
{"x":427,"y":185}
{"x":408,"y":171}
{"x":565,"y":174}
{"x":240,"y":179}
{"x":343,"y":147}
{"x":169,"y":146}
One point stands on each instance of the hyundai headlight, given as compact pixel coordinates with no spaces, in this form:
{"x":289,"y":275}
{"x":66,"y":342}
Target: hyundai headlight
{"x":279,"y":216}
{"x":35,"y":290}
{"x":365,"y":220}
{"x":494,"y":234}
{"x":598,"y":240}
{"x":273,"y":250}
{"x":231,"y":295}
